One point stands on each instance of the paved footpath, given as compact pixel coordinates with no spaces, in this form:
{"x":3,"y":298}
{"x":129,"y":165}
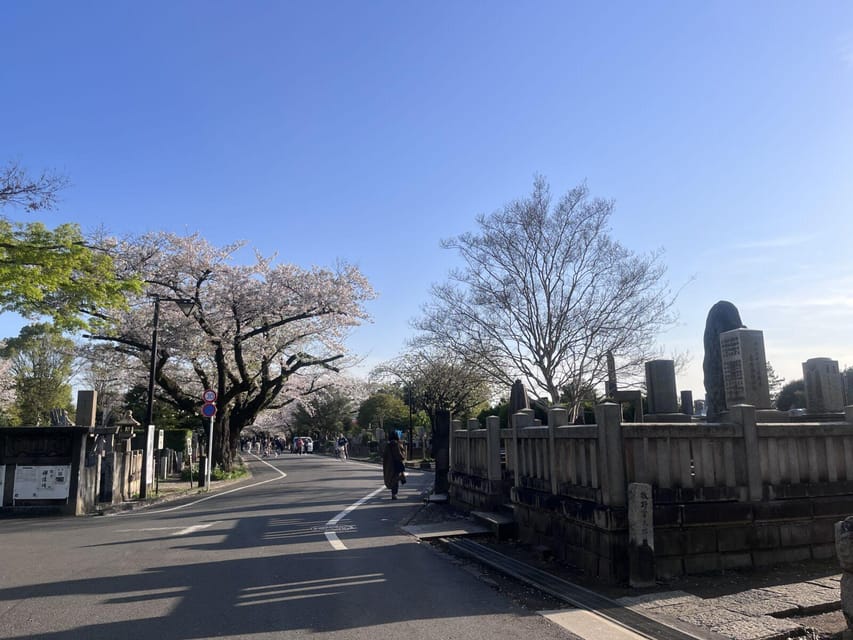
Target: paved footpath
{"x":747,"y":615}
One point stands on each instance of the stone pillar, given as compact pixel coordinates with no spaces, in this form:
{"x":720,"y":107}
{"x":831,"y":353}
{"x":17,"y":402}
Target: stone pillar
{"x":611,"y":466}
{"x":824,"y":393}
{"x":745,"y":368}
{"x":744,"y":415}
{"x":523,"y":418}
{"x":473,"y":425}
{"x":844,"y":551}
{"x":493,"y":447}
{"x":557,"y":417}
{"x":87,"y":403}
{"x":441,"y":449}
{"x":641,"y":535}
{"x":660,"y":386}
{"x":611,"y":386}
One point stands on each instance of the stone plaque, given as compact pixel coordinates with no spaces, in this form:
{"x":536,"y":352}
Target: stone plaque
{"x":641,"y":535}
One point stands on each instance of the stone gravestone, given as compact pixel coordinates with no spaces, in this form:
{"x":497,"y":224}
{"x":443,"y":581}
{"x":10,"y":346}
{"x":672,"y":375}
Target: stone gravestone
{"x":660,"y":387}
{"x":722,"y":317}
{"x":744,"y":368}
{"x":611,"y":384}
{"x":824,"y":393}
{"x":847,"y":383}
{"x":687,"y":403}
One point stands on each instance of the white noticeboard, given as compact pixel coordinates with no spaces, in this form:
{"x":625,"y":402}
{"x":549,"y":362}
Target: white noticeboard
{"x":42,"y":482}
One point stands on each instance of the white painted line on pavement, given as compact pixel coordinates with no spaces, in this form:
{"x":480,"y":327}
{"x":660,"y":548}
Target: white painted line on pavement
{"x":281,"y":475}
{"x":331,"y":536}
{"x":194,"y":528}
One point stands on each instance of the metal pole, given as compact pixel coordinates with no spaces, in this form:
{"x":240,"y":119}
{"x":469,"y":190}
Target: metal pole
{"x":411,"y":428}
{"x":149,"y":413}
{"x":209,"y":456}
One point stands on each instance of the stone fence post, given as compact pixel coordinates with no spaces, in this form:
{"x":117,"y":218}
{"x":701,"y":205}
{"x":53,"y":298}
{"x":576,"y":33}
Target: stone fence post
{"x":493,"y":448}
{"x":611,"y":457}
{"x":472,"y":425}
{"x":844,"y":551}
{"x":744,"y":415}
{"x":523,"y":418}
{"x":557,"y":417}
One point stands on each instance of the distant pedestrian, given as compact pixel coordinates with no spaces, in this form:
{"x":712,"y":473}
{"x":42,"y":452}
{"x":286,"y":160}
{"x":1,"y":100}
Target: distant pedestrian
{"x":342,"y":445}
{"x":392,"y":464}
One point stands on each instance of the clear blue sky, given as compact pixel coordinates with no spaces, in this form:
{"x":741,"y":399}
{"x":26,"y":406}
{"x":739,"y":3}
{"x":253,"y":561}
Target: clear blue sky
{"x":367,"y":131}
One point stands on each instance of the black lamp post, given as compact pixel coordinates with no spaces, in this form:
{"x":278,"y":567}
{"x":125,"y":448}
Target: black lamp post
{"x":411,"y":424}
{"x":186,"y":305}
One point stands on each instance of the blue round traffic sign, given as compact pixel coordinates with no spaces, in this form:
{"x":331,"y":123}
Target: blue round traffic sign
{"x":208,"y":410}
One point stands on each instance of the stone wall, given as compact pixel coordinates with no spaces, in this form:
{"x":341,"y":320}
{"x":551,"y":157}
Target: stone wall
{"x":689,"y":539}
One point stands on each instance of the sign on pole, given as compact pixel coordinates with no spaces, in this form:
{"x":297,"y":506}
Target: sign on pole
{"x":209,"y":395}
{"x":208,"y":410}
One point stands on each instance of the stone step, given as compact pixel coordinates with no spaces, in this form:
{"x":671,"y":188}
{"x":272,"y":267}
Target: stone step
{"x":500,"y":523}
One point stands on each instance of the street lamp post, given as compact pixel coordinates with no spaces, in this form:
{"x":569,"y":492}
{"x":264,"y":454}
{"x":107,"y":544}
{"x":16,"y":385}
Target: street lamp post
{"x":186,"y":305}
{"x":411,"y":426}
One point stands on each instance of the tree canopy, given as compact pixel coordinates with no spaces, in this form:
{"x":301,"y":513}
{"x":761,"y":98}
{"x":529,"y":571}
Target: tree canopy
{"x":41,"y":363}
{"x":792,"y":396}
{"x":544,"y":293}
{"x":261,"y":335}
{"x":325,"y":413}
{"x":435,"y":379}
{"x":383,"y":410}
{"x":57,"y":273}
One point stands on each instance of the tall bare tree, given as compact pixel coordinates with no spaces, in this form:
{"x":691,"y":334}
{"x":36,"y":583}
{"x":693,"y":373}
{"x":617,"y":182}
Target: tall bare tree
{"x":545,"y":292}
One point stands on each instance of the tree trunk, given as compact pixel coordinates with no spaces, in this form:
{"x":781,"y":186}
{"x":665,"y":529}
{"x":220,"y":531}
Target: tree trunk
{"x":223,"y":454}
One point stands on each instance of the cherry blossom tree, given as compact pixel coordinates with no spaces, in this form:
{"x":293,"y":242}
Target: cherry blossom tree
{"x":261,"y":335}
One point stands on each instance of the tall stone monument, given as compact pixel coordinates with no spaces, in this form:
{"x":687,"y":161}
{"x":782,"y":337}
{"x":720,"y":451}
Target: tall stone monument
{"x":660,"y":387}
{"x":611,"y":387}
{"x":722,"y":317}
{"x":744,"y":368}
{"x":824,"y":392}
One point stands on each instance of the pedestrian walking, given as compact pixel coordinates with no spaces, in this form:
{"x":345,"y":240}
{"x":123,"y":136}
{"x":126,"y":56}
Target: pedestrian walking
{"x":392,"y":464}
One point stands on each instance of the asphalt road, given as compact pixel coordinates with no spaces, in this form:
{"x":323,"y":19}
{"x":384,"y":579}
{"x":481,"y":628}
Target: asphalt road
{"x":309,"y":547}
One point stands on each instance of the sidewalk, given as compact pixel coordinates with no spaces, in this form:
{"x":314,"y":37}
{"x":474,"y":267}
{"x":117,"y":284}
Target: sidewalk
{"x":164,"y":491}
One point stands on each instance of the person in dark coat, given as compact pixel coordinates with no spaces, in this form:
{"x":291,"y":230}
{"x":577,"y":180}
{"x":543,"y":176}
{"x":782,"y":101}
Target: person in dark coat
{"x":392,"y":464}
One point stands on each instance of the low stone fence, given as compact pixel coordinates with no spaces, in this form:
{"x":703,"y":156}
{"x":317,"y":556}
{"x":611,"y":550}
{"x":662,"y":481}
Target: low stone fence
{"x":706,"y":497}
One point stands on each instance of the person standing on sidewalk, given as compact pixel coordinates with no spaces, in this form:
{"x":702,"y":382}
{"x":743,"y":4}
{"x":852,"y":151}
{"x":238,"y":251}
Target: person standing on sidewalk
{"x":392,"y":464}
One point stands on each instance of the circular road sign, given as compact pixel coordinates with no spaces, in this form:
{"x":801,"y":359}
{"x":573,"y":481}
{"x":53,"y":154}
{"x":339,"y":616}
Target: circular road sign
{"x":208,"y":410}
{"x":209,"y":395}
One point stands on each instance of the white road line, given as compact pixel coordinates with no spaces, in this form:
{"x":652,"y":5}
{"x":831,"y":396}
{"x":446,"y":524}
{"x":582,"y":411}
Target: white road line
{"x":331,"y":536}
{"x":178,"y":531}
{"x":194,"y":528}
{"x":281,"y":473}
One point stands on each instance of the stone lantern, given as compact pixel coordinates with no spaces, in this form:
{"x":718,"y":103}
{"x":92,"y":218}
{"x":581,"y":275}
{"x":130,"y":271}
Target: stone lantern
{"x":124,"y":431}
